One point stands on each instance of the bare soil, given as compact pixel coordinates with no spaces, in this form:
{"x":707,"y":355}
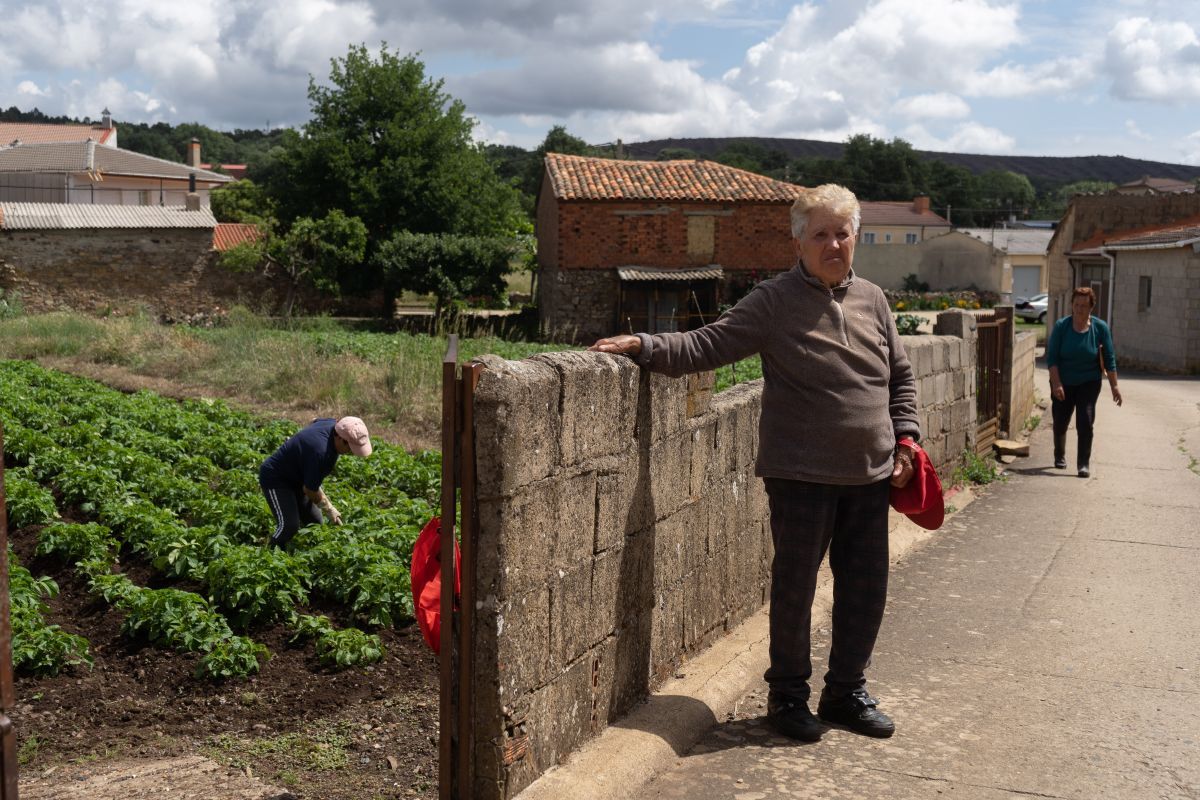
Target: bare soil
{"x":359,"y":734}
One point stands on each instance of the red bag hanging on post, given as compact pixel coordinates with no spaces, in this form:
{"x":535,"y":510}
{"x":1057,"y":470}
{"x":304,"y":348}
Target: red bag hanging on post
{"x":426,"y":578}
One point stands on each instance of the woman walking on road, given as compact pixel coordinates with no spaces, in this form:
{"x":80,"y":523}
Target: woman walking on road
{"x":1079,"y":354}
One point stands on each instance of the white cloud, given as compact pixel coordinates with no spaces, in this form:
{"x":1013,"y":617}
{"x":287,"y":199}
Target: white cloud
{"x":31,"y":89}
{"x":1133,"y":130}
{"x":1189,"y":148}
{"x":967,"y":137}
{"x":941,"y":105}
{"x":1156,"y":61}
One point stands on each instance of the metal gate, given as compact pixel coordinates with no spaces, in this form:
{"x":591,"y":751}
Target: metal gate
{"x":8,"y":700}
{"x":989,"y":378}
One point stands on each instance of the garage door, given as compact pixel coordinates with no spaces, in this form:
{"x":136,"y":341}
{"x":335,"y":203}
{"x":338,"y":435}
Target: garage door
{"x":1026,"y":281}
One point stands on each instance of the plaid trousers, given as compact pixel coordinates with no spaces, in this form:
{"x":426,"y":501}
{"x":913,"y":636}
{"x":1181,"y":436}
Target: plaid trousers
{"x":851,"y":523}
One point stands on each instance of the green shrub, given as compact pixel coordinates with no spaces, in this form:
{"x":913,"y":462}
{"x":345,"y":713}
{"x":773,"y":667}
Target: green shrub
{"x":977,"y":470}
{"x":908,"y":324}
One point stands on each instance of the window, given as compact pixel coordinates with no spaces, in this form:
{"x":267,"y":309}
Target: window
{"x":868,"y":238}
{"x":887,"y":238}
{"x":1144,"y":293}
{"x":910,"y":238}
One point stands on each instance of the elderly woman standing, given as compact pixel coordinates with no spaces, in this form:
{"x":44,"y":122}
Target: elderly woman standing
{"x":1079,"y":351}
{"x":838,"y":408}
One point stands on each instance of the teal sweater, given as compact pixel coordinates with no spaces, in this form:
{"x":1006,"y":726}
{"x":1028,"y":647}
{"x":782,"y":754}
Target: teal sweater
{"x":1075,"y":354}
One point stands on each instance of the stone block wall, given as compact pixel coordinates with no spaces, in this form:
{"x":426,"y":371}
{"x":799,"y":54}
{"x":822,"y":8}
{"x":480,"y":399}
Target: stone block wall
{"x":620,"y":530}
{"x":578,"y":305}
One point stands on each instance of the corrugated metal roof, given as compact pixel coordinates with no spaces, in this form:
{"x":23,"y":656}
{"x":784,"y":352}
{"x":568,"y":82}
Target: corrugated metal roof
{"x":41,"y":133}
{"x":1014,"y":241}
{"x":64,"y":216}
{"x":585,"y":178}
{"x":87,"y":157}
{"x":709,"y":273}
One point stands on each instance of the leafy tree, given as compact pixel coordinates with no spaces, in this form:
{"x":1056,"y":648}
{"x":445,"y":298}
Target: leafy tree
{"x":1001,"y":193}
{"x":452,"y":267}
{"x":879,"y":170}
{"x":387,"y":145}
{"x":557,"y":140}
{"x":243,"y":201}
{"x":951,"y":187}
{"x":313,"y":252}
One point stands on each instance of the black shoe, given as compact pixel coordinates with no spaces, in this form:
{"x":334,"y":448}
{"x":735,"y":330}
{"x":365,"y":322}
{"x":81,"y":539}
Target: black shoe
{"x":1060,"y":462}
{"x":1083,"y":471}
{"x":791,"y":717}
{"x":857,"y":711}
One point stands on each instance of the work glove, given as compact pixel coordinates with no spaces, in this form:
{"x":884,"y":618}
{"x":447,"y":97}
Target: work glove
{"x":331,"y":511}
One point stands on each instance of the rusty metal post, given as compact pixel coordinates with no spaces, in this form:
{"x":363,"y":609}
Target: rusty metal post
{"x":8,"y":698}
{"x":470,"y":525}
{"x":446,"y":704}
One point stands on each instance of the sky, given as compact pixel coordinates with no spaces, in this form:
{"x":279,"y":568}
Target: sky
{"x":1027,"y":77}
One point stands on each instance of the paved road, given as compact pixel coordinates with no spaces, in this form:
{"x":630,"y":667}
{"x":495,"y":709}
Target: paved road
{"x":1046,"y":644}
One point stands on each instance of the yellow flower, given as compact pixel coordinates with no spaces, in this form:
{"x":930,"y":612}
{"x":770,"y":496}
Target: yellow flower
{"x":900,"y":305}
{"x":961,"y":303}
{"x":945,"y":304}
{"x":976,"y":304}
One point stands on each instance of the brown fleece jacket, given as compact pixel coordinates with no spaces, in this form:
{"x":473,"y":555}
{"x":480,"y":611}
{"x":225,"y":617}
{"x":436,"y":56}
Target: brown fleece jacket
{"x":838,"y":388}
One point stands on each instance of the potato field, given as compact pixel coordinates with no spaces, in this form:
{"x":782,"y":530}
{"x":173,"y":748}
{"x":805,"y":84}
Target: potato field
{"x":149,"y":511}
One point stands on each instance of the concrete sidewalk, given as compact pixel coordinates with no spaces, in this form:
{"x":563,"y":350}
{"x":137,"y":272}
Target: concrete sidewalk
{"x":1043,"y":643}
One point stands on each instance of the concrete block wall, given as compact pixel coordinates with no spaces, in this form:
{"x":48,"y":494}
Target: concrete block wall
{"x":944,"y":367}
{"x":620,"y":530}
{"x":1020,"y":401}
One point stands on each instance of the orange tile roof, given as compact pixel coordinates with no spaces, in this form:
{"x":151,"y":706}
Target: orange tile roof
{"x":228,"y":235}
{"x":585,"y":178}
{"x":235,"y":171}
{"x":44,"y":133}
{"x":887,"y":212}
{"x":1093,"y":243}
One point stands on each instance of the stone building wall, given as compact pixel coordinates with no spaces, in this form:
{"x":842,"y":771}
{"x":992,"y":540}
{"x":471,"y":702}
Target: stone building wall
{"x":170,"y":272}
{"x":1020,"y":402}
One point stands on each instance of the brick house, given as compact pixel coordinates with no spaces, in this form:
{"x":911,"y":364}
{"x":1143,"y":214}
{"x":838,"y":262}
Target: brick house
{"x":653,"y":245}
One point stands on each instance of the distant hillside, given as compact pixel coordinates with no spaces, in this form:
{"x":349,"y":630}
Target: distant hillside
{"x":1041,"y":170}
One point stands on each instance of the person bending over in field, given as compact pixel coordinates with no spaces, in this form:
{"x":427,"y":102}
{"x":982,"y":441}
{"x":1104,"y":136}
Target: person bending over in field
{"x":291,"y":477}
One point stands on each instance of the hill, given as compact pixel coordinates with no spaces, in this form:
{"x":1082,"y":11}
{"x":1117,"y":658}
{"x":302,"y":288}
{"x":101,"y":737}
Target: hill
{"x":1041,"y":170}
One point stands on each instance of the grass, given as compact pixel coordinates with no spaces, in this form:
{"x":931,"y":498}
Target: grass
{"x":978,"y":470}
{"x":322,"y":750}
{"x":395,"y":378}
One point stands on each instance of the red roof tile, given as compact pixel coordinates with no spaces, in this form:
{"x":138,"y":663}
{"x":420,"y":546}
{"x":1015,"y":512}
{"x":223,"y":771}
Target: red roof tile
{"x":584,"y":178}
{"x":1161,"y":185}
{"x":1169,"y":235}
{"x":44,"y":133}
{"x":235,"y":171}
{"x":228,"y":235}
{"x":1104,"y":238}
{"x":899,"y":213}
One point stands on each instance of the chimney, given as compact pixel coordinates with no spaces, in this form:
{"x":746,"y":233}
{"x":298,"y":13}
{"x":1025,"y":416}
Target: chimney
{"x":193,"y":155}
{"x":106,"y":119}
{"x":191,"y":202}
{"x":921,"y":204}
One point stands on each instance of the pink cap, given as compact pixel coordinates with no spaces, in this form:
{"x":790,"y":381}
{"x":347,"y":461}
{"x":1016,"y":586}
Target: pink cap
{"x":354,"y":431}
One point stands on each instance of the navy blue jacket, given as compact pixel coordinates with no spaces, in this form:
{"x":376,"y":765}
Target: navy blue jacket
{"x":303,"y":460}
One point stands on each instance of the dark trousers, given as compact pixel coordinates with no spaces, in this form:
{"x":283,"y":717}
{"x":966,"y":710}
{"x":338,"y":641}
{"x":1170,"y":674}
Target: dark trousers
{"x":1079,"y":401}
{"x":292,"y":510}
{"x":851,"y":523}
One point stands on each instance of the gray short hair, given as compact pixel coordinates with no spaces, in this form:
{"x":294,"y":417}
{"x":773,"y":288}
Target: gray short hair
{"x":830,"y":197}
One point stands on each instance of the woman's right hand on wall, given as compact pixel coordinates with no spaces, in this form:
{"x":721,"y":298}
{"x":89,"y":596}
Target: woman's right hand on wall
{"x":618,"y":345}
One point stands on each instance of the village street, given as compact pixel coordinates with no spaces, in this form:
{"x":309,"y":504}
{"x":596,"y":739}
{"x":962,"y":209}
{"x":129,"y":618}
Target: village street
{"x":1044,"y":644}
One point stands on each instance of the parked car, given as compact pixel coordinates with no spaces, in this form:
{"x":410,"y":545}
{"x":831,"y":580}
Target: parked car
{"x":1031,"y":310}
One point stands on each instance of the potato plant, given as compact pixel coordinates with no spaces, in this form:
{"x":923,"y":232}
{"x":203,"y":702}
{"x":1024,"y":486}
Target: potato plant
{"x":175,"y":485}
